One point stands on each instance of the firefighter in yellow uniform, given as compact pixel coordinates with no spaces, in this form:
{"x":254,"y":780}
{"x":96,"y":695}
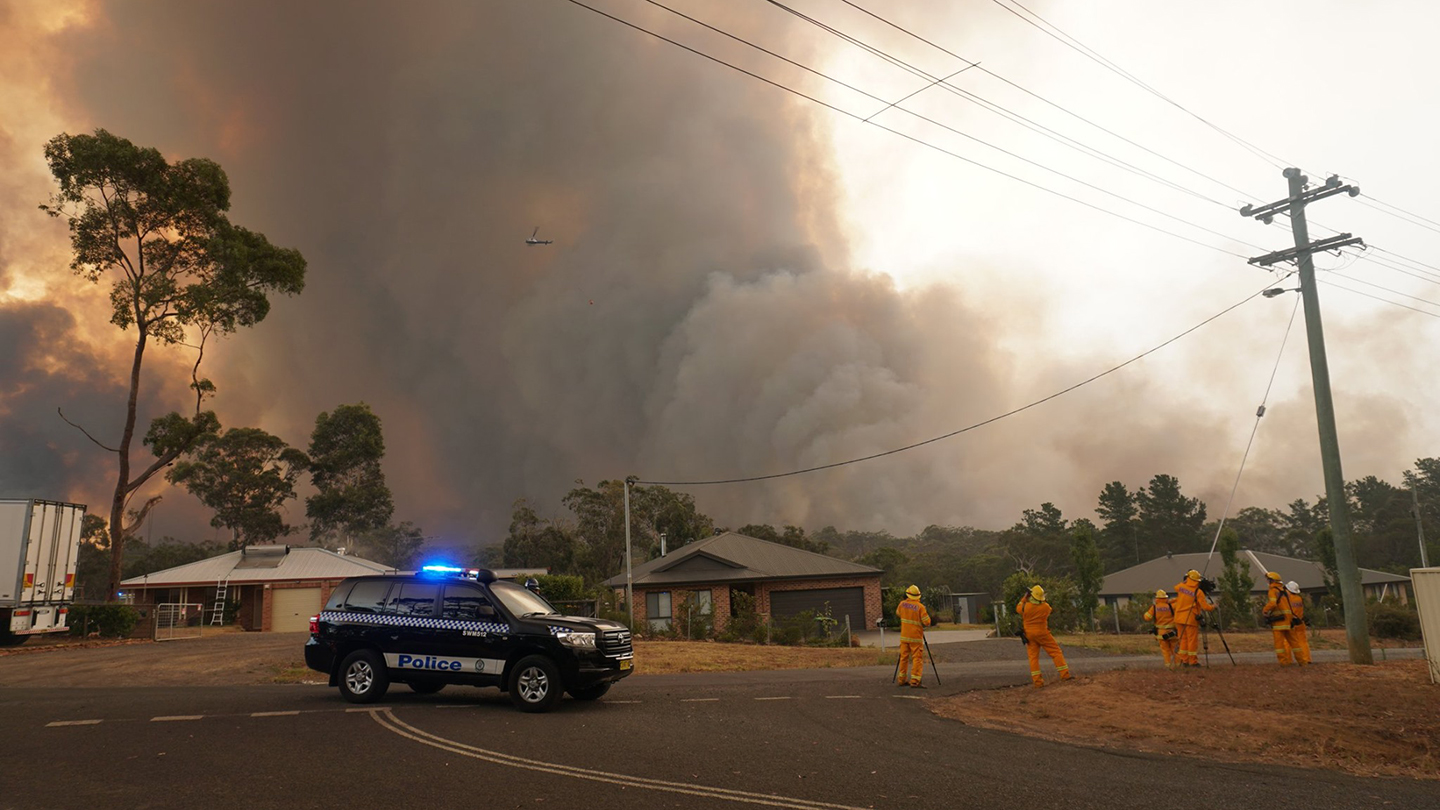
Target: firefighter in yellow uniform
{"x":1162,"y":613}
{"x":1189,"y":601}
{"x":1299,"y":641}
{"x":914,"y":618}
{"x":1278,"y":613}
{"x":1035,"y":613}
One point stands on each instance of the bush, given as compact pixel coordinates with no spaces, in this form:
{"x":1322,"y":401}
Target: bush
{"x":745,"y":621}
{"x":109,"y":621}
{"x":1392,"y":620}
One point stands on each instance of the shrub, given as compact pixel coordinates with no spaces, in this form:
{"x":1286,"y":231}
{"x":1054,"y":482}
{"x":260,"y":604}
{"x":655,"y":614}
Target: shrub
{"x":110,"y":621}
{"x":745,"y":621}
{"x":1391,"y":620}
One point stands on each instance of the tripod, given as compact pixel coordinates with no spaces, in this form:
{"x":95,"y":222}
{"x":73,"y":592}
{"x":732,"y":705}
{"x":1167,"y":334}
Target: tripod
{"x":896,"y":676}
{"x":1205,"y":641}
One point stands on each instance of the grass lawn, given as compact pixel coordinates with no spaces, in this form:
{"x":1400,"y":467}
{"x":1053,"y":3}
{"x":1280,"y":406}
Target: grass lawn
{"x":669,"y":657}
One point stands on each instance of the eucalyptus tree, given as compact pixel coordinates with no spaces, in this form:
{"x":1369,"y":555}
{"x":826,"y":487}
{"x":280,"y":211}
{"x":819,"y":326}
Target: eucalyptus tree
{"x":181,"y":273}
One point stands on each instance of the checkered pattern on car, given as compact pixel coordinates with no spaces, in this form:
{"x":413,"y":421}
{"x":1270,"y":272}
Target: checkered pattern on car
{"x":392,"y":620}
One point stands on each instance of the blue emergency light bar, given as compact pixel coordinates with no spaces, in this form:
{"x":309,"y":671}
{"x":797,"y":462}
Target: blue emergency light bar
{"x":442,"y":569}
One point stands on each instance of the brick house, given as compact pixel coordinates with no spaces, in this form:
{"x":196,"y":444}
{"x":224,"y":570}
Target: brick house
{"x":1165,"y":572}
{"x":277,"y":588}
{"x":784,"y":581}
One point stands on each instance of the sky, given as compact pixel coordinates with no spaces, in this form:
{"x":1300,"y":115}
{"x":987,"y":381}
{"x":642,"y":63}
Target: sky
{"x":743,"y":281}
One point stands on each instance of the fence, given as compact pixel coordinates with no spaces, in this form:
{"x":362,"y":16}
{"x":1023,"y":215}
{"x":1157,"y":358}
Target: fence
{"x":177,"y":620}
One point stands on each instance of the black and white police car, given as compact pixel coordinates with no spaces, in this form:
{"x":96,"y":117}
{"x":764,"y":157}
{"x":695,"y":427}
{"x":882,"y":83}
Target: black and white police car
{"x":448,"y":625}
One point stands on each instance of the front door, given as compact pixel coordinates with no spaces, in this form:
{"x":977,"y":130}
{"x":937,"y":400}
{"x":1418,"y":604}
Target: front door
{"x":471,"y":627}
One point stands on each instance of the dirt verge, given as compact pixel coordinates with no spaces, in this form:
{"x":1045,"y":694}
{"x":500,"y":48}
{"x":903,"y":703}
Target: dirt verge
{"x":1370,"y":721}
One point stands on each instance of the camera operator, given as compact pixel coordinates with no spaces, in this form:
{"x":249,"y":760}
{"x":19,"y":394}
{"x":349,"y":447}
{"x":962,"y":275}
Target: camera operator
{"x":914,"y":618}
{"x":1162,"y":613}
{"x":1189,"y":601}
{"x":1299,"y":643}
{"x":1035,"y":613}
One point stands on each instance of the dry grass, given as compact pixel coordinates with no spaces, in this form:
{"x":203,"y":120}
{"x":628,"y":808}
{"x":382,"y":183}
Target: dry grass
{"x":1248,"y":641}
{"x":671,"y":657}
{"x":1370,"y":721}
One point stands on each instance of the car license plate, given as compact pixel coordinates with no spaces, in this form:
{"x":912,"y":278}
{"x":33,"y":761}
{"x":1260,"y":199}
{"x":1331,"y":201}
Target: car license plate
{"x":626,"y":664}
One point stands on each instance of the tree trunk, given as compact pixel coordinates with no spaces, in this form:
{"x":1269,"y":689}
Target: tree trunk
{"x":122,"y":484}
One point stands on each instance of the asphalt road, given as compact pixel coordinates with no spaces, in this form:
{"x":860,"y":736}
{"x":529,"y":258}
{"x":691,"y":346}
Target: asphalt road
{"x":800,"y":739}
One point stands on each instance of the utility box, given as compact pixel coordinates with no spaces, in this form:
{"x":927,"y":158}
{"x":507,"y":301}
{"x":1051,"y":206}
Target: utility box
{"x":1426,"y":584}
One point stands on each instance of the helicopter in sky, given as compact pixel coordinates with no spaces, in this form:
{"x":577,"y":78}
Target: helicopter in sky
{"x":533,"y":241}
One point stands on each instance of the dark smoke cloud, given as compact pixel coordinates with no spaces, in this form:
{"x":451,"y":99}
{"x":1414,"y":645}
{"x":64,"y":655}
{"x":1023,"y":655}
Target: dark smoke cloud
{"x":697,"y":316}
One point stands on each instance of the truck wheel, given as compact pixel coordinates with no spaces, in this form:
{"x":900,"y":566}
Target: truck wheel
{"x":535,"y":684}
{"x":363,"y":678}
{"x":8,"y":639}
{"x":591,"y":692}
{"x":426,"y":687}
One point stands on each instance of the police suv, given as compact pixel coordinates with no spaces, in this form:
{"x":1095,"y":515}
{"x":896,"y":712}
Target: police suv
{"x":450,"y":625}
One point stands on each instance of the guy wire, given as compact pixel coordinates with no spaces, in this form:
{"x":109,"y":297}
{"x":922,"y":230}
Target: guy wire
{"x":1259,"y":414}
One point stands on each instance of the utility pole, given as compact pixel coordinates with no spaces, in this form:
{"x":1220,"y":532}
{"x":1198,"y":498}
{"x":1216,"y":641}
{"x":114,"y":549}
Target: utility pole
{"x":629,"y":577}
{"x":1357,"y":633}
{"x":1415,"y":509}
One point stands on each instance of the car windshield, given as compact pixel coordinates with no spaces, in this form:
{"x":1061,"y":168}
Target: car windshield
{"x":521,"y":601}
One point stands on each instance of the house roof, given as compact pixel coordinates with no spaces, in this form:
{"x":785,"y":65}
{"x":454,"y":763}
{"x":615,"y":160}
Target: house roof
{"x":261,"y":564}
{"x":1165,"y":572}
{"x":732,"y":557}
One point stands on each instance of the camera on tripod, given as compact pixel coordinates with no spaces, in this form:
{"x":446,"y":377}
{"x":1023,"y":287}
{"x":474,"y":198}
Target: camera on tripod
{"x":1207,"y":585}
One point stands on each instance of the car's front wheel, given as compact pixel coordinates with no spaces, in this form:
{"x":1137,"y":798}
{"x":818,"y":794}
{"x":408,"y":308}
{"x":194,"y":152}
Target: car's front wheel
{"x":535,"y":684}
{"x":363,"y":678}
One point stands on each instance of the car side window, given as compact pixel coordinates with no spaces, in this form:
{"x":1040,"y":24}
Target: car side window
{"x":337,"y":597}
{"x":466,"y":604}
{"x":414,"y":599}
{"x":368,"y":596}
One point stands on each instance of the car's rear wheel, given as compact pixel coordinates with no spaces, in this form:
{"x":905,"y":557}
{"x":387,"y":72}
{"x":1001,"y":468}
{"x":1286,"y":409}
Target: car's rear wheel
{"x":591,"y":692}
{"x":426,"y":687}
{"x":363,"y":678}
{"x":535,"y":684}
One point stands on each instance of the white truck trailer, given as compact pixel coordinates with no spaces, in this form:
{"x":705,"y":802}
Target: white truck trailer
{"x":39,"y":544}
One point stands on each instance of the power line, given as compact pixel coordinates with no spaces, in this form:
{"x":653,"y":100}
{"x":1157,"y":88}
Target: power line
{"x":974,"y":426}
{"x":1403,"y":216}
{"x":1247,"y":195}
{"x":992,"y":107}
{"x":1338,"y":274}
{"x":1084,"y":50}
{"x":1259,"y":413}
{"x":1395,"y":268}
{"x":918,"y":72}
{"x":907,"y":136}
{"x":1415,"y":262}
{"x":1377,"y":298}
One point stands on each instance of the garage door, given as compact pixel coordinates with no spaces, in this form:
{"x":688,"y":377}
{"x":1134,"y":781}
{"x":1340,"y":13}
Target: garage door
{"x":843,"y":602}
{"x":291,"y":608}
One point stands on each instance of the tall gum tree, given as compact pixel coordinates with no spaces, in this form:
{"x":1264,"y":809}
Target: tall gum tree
{"x":180,"y":270}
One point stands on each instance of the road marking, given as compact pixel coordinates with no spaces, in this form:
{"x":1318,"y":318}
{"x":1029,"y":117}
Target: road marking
{"x":773,"y":698}
{"x":174,"y":717}
{"x":622,"y":701}
{"x":273,"y":714}
{"x":388,"y":720}
{"x":841,"y":697}
{"x":367,"y":709}
{"x":700,"y":700}
{"x":58,"y":723}
{"x":907,"y":697}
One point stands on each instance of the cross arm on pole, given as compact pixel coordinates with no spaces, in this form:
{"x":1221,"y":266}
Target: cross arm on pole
{"x":1266,"y":213}
{"x":1291,"y":254}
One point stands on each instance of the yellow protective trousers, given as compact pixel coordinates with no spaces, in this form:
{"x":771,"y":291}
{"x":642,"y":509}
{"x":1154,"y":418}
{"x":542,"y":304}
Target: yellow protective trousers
{"x":1188,"y":653}
{"x":1169,"y":649}
{"x":912,"y":661}
{"x":1300,"y":644}
{"x":1038,"y":641}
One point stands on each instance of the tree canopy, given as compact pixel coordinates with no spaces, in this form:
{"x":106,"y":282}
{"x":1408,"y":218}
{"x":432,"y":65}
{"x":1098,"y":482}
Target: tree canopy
{"x":181,"y":273}
{"x":246,"y":475}
{"x":351,"y":495}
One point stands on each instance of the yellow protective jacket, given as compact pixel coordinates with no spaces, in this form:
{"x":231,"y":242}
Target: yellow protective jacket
{"x":1277,"y":607}
{"x":1162,"y":613}
{"x":1297,"y":607}
{"x":1188,"y":597}
{"x":1036,"y":616}
{"x":914,"y":618}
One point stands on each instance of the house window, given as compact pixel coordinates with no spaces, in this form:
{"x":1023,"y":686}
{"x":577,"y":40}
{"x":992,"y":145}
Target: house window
{"x":700,"y":603}
{"x":657,"y":609}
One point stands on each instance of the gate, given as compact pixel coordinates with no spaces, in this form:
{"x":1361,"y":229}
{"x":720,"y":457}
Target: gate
{"x":176,"y":620}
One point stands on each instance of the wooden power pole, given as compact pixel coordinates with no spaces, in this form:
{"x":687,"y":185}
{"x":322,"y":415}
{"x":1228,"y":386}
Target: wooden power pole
{"x":1357,"y":632}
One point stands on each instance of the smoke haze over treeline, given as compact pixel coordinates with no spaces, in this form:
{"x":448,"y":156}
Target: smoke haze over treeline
{"x":699,"y":315}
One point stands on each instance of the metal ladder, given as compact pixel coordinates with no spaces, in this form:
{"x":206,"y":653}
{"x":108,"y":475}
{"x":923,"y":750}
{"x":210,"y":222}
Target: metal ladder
{"x":217,"y":616}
